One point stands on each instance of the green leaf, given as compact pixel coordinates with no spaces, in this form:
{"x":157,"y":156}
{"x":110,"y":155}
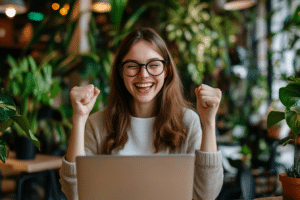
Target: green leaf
{"x":293,"y":120}
{"x":24,"y":65}
{"x":24,"y":124}
{"x":32,"y":64}
{"x":28,"y":84}
{"x":296,"y":107}
{"x":55,"y":89}
{"x":5,"y":124}
{"x":286,"y":140}
{"x":12,"y":62}
{"x":15,"y":88}
{"x":245,"y":150}
{"x":274,"y":117}
{"x":47,"y":71}
{"x":3,"y":150}
{"x":295,"y":17}
{"x":117,"y":10}
{"x":290,"y":94}
{"x":7,"y":107}
{"x":39,"y":85}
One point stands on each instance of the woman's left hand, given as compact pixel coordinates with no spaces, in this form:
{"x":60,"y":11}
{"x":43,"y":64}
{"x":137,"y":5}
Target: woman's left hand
{"x":208,"y":101}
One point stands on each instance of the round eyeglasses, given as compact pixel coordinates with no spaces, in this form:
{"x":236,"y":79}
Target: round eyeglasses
{"x":154,"y":67}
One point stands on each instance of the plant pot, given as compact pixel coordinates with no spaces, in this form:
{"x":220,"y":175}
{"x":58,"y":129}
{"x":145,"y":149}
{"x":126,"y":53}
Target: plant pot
{"x":24,"y":148}
{"x":290,"y":187}
{"x":274,"y":132}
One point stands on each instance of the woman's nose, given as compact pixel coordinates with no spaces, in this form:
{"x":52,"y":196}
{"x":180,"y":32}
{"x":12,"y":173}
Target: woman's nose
{"x":143,"y":72}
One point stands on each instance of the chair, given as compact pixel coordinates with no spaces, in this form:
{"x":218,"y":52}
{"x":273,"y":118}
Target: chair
{"x":247,"y":183}
{"x":242,"y":188}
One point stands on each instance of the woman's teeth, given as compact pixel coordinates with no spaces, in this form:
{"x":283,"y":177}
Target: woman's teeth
{"x":144,"y":85}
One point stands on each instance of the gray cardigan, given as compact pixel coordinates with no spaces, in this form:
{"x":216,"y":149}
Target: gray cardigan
{"x":208,"y":175}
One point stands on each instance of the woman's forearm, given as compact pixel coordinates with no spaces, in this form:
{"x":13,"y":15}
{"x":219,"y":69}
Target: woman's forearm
{"x":209,"y":140}
{"x":76,"y":141}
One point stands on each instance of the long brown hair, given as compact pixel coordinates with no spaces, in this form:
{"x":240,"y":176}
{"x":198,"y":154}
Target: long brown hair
{"x":169,"y":131}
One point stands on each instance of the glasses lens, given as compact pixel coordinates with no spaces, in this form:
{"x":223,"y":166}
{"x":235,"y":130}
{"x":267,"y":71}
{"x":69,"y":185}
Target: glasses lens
{"x":155,"y":67}
{"x":131,"y":68}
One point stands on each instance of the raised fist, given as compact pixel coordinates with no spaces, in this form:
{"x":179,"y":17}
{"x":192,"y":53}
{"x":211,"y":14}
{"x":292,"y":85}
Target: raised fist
{"x":83,"y":99}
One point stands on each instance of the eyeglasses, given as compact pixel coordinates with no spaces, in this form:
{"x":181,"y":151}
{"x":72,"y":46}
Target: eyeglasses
{"x":154,"y":67}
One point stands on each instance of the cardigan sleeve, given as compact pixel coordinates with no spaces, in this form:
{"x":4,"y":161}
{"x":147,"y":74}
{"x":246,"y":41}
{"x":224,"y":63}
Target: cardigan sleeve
{"x":68,"y":175}
{"x":208,"y":174}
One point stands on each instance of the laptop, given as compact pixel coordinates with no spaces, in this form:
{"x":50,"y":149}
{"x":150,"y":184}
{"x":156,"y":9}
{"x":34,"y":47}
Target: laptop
{"x":150,"y":177}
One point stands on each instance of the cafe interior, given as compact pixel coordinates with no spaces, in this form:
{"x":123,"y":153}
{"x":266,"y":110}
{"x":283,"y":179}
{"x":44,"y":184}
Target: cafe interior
{"x":249,"y":49}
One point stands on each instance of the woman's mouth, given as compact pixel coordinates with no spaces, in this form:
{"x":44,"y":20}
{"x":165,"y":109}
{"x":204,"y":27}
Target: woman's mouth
{"x":143,"y":88}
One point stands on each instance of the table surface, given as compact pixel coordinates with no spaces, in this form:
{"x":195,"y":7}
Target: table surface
{"x":41,"y":162}
{"x":270,"y":198}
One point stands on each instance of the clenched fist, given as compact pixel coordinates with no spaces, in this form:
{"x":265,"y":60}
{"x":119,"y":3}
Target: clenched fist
{"x":208,"y":101}
{"x":83,"y":99}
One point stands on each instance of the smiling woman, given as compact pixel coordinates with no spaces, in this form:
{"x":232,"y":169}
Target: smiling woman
{"x":146,"y":114}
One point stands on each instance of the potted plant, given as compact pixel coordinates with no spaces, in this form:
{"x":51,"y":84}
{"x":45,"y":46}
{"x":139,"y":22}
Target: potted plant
{"x":31,"y":86}
{"x":290,"y":98}
{"x":9,"y":115}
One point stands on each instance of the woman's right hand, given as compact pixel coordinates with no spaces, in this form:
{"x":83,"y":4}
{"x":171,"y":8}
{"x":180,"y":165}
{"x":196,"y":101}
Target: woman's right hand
{"x":83,"y":99}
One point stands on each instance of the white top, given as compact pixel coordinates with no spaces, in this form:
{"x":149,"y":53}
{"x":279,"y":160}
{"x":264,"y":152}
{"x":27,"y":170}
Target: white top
{"x":139,"y":137}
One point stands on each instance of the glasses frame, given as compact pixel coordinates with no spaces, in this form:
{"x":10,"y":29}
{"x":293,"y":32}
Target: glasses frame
{"x":146,"y":66}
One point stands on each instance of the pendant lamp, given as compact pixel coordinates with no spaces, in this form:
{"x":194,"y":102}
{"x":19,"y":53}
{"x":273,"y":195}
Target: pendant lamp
{"x":238,"y":4}
{"x":17,"y":5}
{"x":101,"y":6}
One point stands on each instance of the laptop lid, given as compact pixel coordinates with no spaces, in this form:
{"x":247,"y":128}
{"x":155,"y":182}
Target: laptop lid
{"x":150,"y":177}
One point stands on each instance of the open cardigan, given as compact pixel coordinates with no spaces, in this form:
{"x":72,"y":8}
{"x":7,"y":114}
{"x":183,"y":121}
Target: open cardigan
{"x":208,"y":174}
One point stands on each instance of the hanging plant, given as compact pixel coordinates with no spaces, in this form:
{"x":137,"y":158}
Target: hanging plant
{"x":201,"y":36}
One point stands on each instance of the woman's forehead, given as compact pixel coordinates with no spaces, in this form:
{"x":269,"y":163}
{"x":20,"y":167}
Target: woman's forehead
{"x":143,"y":50}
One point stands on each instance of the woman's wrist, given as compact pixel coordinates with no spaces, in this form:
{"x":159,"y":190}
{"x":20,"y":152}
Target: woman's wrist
{"x":79,"y":118}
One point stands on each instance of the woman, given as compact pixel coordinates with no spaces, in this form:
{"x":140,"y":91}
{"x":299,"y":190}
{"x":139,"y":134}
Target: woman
{"x":146,"y":114}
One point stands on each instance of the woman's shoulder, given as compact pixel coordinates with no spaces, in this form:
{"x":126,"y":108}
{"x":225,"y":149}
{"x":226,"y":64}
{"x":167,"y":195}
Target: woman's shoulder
{"x":190,"y":116}
{"x":96,"y":117}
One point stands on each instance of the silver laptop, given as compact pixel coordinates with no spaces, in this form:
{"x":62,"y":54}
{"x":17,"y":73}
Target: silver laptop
{"x":153,"y":177}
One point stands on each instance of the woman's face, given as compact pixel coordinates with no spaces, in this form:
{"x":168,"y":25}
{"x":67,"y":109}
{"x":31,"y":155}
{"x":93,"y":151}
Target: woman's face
{"x":143,"y":87}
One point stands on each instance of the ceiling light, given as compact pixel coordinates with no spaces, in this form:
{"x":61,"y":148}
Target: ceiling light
{"x":12,"y":6}
{"x":55,"y":6}
{"x":238,"y":4}
{"x":10,"y":12}
{"x":101,"y":6}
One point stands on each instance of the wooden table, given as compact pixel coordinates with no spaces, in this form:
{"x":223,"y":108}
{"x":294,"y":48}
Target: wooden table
{"x":30,"y":169}
{"x":40,"y":163}
{"x":270,"y":198}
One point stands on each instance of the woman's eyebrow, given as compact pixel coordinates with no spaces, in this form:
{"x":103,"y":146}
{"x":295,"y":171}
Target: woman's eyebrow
{"x":132,"y":60}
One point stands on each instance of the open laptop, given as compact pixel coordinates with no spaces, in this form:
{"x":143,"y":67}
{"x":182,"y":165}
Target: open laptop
{"x":153,"y":177}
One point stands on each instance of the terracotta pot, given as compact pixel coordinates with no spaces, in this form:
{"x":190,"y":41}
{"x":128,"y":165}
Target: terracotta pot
{"x":274,"y":132}
{"x":290,"y":187}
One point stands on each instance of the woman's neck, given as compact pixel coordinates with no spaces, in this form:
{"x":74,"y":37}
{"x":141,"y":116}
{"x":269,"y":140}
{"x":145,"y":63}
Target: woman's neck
{"x":144,"y":110}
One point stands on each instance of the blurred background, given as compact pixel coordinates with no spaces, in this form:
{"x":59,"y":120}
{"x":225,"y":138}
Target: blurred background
{"x":246,"y":48}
